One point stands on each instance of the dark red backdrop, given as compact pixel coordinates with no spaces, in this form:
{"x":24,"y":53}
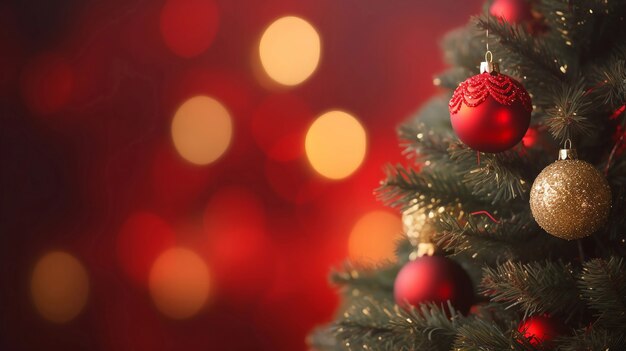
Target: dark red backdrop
{"x":87,"y":92}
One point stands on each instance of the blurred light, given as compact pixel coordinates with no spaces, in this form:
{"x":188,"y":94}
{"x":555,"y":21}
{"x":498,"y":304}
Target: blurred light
{"x":374,"y":237}
{"x":142,"y":238}
{"x":201,"y":130}
{"x":530,"y":138}
{"x":189,"y":26}
{"x":179,"y":283}
{"x":59,"y":287}
{"x":239,"y":252}
{"x":279,"y":125}
{"x":335,"y":144}
{"x":47,"y":83}
{"x":290,"y":50}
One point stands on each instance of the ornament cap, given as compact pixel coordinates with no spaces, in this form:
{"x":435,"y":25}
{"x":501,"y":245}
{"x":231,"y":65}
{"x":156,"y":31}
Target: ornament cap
{"x":423,"y":249}
{"x":568,"y":153}
{"x":489,"y":67}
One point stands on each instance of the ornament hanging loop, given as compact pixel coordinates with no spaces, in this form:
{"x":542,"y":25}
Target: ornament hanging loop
{"x":568,"y":152}
{"x":488,"y":65}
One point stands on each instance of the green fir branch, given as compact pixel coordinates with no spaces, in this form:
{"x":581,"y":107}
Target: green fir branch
{"x":323,"y":339}
{"x":512,"y":239}
{"x":451,"y":77}
{"x":422,"y":144}
{"x":592,"y":339}
{"x":617,"y":218}
{"x":603,"y":286}
{"x":575,"y":27}
{"x":608,"y":80}
{"x":372,"y":279}
{"x":433,"y":116}
{"x":371,"y":324}
{"x":537,"y":287}
{"x":483,"y":335}
{"x":499,"y":177}
{"x":427,"y":135}
{"x":464,"y":48}
{"x":404,"y":187}
{"x":560,"y":20}
{"x":570,"y":116}
{"x":527,"y":55}
{"x":599,"y":25}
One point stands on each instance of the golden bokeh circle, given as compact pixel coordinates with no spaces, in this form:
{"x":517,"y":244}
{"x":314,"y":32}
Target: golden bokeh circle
{"x":374,"y":237}
{"x":201,"y":130}
{"x":290,"y":50}
{"x":179,"y":283}
{"x":335,"y":144}
{"x":59,"y":286}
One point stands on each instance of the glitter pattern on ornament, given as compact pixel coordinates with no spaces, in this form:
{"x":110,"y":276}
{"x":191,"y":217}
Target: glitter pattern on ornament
{"x":570,"y":199}
{"x":475,"y":90}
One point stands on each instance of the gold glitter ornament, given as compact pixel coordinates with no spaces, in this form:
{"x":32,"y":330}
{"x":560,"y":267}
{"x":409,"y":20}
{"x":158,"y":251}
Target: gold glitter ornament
{"x":570,"y":198}
{"x":418,"y":223}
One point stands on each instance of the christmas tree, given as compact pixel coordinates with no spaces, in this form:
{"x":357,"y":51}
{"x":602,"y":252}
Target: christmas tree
{"x":515,"y":213}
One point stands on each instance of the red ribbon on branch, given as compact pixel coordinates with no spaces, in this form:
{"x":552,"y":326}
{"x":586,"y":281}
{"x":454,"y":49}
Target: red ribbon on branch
{"x":486,"y":213}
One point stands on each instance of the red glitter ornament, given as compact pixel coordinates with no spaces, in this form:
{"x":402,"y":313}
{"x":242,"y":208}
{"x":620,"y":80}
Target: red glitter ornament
{"x":541,"y":330}
{"x":490,"y":112}
{"x":434,"y":279}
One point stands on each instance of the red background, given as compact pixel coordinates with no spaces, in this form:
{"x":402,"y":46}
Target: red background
{"x":87,"y":92}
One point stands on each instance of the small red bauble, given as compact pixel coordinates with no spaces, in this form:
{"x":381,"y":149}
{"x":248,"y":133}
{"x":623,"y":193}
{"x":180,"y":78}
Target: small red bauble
{"x":541,"y":330}
{"x":512,"y":11}
{"x":531,"y":137}
{"x":490,"y":112}
{"x":434,"y":279}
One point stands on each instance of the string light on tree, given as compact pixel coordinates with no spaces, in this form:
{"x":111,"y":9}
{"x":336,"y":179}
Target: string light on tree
{"x":570,"y":198}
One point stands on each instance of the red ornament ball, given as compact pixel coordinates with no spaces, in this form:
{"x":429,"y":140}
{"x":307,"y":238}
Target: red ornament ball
{"x":531,"y":137}
{"x":434,"y":279}
{"x":490,"y":112}
{"x":541,"y":330}
{"x":512,"y":11}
